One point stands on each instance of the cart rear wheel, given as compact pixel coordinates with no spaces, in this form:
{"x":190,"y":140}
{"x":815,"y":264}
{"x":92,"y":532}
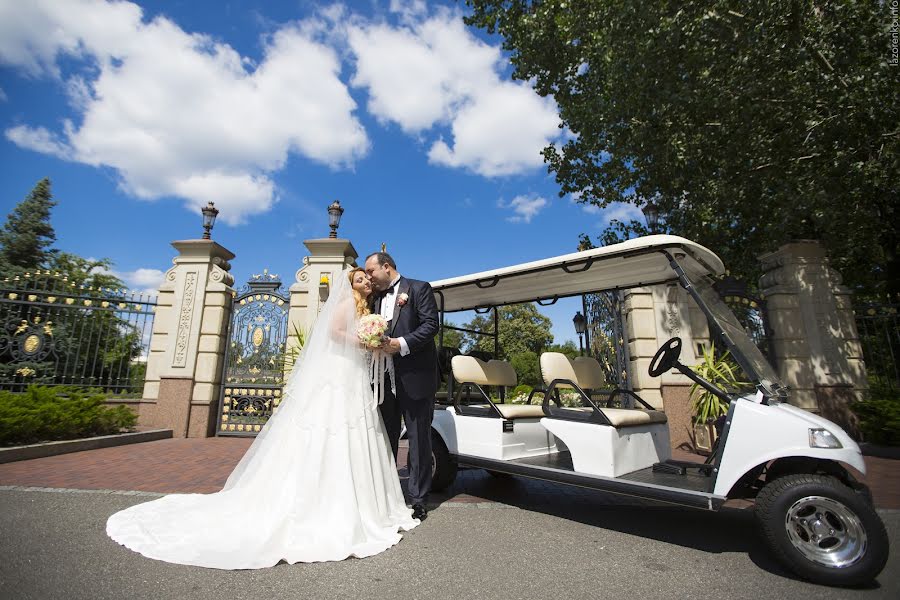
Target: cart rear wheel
{"x":443,"y":465}
{"x":822,"y":530}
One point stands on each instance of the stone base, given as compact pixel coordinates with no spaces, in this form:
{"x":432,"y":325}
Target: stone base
{"x":203,"y":419}
{"x":173,"y":407}
{"x":677,"y":403}
{"x":146,"y":412}
{"x":834,"y":404}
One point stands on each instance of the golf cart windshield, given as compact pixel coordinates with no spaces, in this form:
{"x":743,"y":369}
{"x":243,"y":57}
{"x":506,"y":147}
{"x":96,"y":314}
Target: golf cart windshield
{"x":741,"y":346}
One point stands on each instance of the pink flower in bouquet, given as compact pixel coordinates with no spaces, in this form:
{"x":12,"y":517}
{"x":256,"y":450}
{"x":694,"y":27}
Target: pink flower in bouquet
{"x":371,"y":330}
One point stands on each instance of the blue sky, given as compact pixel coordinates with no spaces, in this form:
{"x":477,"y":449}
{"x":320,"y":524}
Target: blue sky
{"x":141,"y":112}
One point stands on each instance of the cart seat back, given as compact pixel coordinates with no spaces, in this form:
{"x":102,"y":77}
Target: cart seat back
{"x":584,"y":371}
{"x":468,"y":369}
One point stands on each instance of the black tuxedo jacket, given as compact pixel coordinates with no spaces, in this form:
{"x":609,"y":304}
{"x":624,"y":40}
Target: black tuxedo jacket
{"x":417,"y":323}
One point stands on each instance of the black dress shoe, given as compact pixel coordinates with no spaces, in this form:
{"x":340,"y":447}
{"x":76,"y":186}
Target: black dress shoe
{"x":419,"y":512}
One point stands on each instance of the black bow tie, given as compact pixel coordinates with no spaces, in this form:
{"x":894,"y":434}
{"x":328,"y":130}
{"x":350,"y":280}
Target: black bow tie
{"x":389,"y":290}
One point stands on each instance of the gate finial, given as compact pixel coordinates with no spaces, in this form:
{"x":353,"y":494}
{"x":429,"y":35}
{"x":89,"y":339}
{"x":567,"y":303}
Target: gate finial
{"x":383,"y":247}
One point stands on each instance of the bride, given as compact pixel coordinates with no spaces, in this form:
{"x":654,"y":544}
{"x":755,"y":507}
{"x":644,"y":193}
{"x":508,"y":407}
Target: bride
{"x":318,"y":483}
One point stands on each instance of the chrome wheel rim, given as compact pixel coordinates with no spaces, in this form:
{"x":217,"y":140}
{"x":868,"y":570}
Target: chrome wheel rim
{"x":825,"y":531}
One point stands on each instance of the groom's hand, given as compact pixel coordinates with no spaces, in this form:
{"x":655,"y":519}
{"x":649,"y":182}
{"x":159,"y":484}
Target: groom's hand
{"x":391,"y":346}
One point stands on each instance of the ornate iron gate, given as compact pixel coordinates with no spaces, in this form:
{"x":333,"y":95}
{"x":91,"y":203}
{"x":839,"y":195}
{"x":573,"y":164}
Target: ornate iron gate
{"x":606,"y":335}
{"x":255,"y":357}
{"x":56,"y":332}
{"x":750,"y":310}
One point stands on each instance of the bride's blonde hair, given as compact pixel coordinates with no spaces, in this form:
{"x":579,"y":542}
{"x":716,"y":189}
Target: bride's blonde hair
{"x":362,"y":304}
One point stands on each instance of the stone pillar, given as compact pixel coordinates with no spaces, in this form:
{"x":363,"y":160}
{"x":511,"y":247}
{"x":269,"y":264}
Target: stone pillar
{"x":814,"y":338}
{"x":327,"y":259}
{"x":187,"y":346}
{"x":653,"y":315}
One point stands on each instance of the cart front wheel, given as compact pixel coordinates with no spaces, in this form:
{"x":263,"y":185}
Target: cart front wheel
{"x":443,"y":465}
{"x":822,"y":530}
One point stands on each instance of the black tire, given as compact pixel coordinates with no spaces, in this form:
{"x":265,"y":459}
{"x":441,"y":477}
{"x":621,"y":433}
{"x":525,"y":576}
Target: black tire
{"x":443,"y":465}
{"x":822,"y":530}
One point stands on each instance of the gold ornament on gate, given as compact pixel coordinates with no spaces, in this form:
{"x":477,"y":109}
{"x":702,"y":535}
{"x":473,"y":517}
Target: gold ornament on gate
{"x":32,"y":344}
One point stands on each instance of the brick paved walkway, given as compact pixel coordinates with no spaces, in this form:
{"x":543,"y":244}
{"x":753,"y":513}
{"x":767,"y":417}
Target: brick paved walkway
{"x":203,"y":465}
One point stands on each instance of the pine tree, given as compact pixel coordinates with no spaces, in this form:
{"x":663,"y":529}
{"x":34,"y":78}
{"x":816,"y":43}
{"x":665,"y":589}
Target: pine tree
{"x":27,"y":235}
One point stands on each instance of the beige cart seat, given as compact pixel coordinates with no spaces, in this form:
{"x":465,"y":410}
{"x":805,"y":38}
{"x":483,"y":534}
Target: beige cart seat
{"x":468,"y":369}
{"x":587,"y":374}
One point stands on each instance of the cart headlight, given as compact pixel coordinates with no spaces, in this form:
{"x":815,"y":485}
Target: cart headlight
{"x":822,"y":438}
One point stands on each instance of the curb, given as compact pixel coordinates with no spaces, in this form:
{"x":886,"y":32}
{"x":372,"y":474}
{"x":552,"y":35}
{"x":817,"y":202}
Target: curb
{"x":880,"y":451}
{"x":45,"y":449}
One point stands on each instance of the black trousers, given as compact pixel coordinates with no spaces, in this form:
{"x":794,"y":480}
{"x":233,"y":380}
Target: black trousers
{"x":417,"y":413}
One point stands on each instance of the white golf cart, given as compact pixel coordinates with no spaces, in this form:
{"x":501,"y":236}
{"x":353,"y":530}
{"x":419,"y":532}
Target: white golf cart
{"x":817,"y":519}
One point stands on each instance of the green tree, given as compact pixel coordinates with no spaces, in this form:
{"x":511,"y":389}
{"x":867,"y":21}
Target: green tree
{"x":94,"y":275}
{"x":568,"y":348}
{"x":750,"y":123}
{"x":452,"y":339}
{"x":521,"y":329}
{"x":27,"y":235}
{"x":527,"y":367}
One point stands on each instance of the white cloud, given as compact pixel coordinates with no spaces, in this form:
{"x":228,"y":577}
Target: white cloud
{"x":622,"y":211}
{"x":409,"y":10}
{"x":3,"y":97}
{"x":178,"y":114}
{"x":524,"y":208}
{"x":143,"y":281}
{"x":433,"y":71}
{"x":38,"y":139}
{"x":140,"y":281}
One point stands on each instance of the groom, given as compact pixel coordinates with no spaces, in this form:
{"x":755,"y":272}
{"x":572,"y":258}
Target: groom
{"x":411,"y":312}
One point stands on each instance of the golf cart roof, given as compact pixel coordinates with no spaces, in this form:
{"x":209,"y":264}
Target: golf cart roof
{"x":633,"y":263}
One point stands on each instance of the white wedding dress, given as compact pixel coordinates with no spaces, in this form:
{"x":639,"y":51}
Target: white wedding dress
{"x":319,"y":483}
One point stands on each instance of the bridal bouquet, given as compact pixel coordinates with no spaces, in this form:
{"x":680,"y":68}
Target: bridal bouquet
{"x":371,"y":330}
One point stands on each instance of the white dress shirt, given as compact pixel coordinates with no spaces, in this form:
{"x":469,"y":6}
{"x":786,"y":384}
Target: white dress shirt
{"x":387,"y":311}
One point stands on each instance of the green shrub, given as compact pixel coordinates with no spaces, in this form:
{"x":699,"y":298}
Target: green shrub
{"x":879,"y":415}
{"x":58,"y":413}
{"x":522,"y":390}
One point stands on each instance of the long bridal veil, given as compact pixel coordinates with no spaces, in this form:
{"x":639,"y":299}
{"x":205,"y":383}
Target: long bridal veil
{"x":318,"y":483}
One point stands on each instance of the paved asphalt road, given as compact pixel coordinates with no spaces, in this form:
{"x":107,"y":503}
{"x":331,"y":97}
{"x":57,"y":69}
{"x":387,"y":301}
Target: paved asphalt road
{"x":53,"y":545}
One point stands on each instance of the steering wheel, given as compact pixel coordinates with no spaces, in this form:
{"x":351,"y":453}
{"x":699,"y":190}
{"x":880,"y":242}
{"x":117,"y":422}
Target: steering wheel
{"x":666,"y":357}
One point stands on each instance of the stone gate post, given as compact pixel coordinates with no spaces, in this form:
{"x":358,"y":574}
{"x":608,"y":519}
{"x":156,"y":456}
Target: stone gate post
{"x":327,"y":259}
{"x":653,"y":315}
{"x":814,"y":338}
{"x":187,"y":346}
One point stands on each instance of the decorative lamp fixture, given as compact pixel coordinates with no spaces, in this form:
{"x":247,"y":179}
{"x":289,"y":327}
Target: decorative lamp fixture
{"x":334,"y":217}
{"x":651,"y":214}
{"x":580,"y":327}
{"x":580,"y":323}
{"x":209,"y":218}
{"x":323,"y":279}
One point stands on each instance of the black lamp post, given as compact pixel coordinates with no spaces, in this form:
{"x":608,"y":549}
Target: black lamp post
{"x":334,"y":217}
{"x":209,"y":218}
{"x":651,"y":214}
{"x":580,"y":327}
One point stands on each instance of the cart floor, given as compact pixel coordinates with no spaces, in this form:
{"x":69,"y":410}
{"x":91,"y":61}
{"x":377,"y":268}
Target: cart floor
{"x":692,"y":481}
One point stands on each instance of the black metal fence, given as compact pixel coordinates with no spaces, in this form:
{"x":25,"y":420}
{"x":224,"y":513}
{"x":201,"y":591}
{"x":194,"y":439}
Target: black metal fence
{"x":54,"y":332}
{"x":878,"y":326}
